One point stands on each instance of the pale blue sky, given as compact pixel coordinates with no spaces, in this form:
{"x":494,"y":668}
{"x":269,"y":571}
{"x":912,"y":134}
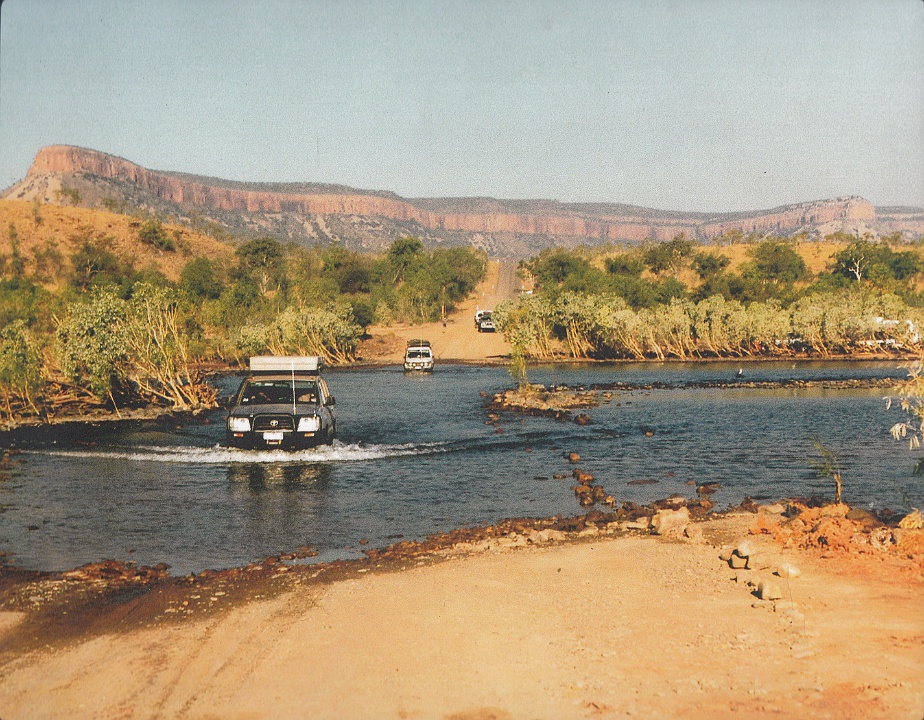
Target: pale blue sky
{"x":708,"y":105}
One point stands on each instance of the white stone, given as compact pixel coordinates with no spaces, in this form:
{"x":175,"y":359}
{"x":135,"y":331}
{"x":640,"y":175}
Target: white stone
{"x":550,"y":535}
{"x":745,"y":549}
{"x":767,"y":590}
{"x":775,"y":509}
{"x":671,"y":522}
{"x":788,"y":570}
{"x":640,"y":524}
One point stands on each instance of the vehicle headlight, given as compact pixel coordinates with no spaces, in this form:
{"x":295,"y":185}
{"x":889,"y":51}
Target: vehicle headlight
{"x":239,"y":424}
{"x":309,"y":424}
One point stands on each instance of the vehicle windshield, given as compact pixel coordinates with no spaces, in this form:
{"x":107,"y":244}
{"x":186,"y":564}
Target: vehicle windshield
{"x":415,"y":353}
{"x":278,"y":392}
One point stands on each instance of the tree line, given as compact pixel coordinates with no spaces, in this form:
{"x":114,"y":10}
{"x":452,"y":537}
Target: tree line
{"x":113,"y":334}
{"x":634,"y":305}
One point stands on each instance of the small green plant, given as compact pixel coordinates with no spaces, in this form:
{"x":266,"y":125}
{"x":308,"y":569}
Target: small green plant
{"x":828,"y":466}
{"x":517,"y":367}
{"x":153,"y":233}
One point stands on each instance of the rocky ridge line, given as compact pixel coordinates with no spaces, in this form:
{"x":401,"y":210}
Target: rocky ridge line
{"x":310,"y":212}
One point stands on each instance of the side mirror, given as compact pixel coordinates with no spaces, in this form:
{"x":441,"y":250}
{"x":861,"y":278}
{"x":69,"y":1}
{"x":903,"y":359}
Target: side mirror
{"x":331,"y":401}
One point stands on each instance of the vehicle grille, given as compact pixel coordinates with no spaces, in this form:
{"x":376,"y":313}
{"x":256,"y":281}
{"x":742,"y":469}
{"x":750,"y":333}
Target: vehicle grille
{"x":264,"y":423}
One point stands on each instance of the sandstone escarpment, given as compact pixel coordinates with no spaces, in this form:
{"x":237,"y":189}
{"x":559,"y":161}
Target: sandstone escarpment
{"x":371,"y":220}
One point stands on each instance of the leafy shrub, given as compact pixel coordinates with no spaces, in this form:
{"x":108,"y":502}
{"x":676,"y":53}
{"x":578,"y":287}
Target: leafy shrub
{"x":153,"y":233}
{"x":20,"y":366}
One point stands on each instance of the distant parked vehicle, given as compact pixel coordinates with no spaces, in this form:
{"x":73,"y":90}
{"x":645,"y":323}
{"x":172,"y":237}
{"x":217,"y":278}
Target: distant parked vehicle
{"x":283,"y":402}
{"x":418,"y":356}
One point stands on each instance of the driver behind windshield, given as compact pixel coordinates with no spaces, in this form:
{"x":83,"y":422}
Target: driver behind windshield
{"x":278,"y":392}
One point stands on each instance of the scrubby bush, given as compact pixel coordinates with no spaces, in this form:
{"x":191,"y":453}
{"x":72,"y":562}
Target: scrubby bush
{"x":20,"y":367}
{"x":153,"y":233}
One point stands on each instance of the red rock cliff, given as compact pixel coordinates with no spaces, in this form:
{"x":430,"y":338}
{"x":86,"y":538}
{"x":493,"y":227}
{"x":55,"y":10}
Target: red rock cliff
{"x":560,"y":221}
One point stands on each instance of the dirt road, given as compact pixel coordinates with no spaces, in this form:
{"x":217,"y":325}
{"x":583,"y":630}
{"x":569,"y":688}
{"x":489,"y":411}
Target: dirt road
{"x":457,"y":339}
{"x":603,"y":627}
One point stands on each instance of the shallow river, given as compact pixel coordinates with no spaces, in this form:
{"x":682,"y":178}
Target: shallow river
{"x":414,"y":456}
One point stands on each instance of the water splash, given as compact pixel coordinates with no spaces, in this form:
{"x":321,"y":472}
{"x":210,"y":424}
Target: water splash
{"x":219,"y":455}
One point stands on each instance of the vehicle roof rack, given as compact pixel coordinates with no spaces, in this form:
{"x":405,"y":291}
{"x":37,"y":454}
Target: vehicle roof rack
{"x":286,"y":364}
{"x":418,"y":343}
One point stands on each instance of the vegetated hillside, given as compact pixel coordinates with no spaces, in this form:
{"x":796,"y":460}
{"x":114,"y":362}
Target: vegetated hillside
{"x":46,"y":237}
{"x":310,"y":213}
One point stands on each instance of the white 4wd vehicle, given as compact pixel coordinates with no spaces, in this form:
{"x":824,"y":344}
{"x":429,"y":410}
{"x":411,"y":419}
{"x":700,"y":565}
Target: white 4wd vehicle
{"x":283,"y":402}
{"x":418,"y":356}
{"x":484,"y":321}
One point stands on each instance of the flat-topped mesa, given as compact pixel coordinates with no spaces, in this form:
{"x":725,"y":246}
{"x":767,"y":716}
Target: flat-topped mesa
{"x":550,"y":219}
{"x":65,"y":159}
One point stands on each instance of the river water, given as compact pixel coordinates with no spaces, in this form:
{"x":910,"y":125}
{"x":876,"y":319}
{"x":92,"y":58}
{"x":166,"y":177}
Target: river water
{"x":415,"y":456}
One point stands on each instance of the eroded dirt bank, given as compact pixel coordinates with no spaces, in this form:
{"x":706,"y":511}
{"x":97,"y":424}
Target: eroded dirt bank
{"x":563,"y":618}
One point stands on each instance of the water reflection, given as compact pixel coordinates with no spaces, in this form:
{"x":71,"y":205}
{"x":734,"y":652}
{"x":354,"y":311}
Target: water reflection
{"x":258,"y":477}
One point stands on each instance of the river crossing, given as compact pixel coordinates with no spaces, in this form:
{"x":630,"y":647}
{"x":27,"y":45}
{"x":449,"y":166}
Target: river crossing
{"x":415,"y":456}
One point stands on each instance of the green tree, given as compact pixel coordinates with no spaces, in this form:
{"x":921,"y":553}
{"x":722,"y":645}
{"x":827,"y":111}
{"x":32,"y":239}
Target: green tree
{"x":625,"y":264}
{"x":263,"y":262}
{"x":669,"y":256}
{"x":777,"y":261}
{"x":401,"y":255}
{"x":709,"y":265}
{"x":828,"y":466}
{"x":20,"y":367}
{"x":328,"y":332}
{"x":774,"y":269}
{"x":153,"y":233}
{"x":201,"y":280}
{"x":854,"y":261}
{"x":157,"y":357}
{"x":95,"y":266}
{"x":92,"y":343}
{"x":363,"y":312}
{"x":879,"y":264}
{"x":553,"y":267}
{"x":48,"y":261}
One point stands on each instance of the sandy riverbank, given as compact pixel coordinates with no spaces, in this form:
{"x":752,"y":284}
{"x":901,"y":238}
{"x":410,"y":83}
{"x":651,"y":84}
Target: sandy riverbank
{"x":613,"y":624}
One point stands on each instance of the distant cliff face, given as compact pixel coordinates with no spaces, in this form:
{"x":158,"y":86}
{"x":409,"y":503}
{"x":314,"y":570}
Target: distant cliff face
{"x":372,"y":220}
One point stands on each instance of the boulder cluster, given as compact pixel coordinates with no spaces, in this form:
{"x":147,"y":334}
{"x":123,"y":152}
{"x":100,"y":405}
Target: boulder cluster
{"x":812,"y":525}
{"x":840,"y":528}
